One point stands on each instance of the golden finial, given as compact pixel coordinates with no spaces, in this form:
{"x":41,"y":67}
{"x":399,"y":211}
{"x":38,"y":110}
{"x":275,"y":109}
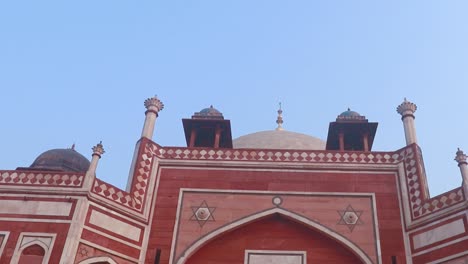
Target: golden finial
{"x":279,"y":119}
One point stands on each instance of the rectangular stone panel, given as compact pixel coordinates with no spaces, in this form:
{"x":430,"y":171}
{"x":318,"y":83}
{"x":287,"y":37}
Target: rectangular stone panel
{"x":19,"y":207}
{"x":114,"y":225}
{"x":439,"y":233}
{"x":274,"y":257}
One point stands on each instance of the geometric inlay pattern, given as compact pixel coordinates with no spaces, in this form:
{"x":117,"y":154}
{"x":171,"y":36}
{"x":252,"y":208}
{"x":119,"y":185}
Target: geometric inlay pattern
{"x":410,"y":156}
{"x":58,"y":179}
{"x":202,"y":213}
{"x":350,"y":217}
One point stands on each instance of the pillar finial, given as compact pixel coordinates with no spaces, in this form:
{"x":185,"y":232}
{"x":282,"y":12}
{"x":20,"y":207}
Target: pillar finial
{"x":153,"y":104}
{"x":406,"y":108}
{"x":279,"y":119}
{"x":98,"y":150}
{"x":461,"y":157}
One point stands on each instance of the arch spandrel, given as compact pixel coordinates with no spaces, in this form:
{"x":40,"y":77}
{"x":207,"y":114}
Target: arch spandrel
{"x":203,"y":215}
{"x":199,"y":244}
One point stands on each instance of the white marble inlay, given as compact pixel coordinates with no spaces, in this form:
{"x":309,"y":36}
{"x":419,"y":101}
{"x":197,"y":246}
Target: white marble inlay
{"x":274,"y":257}
{"x":114,"y":225}
{"x":35,"y":208}
{"x":439,"y":233}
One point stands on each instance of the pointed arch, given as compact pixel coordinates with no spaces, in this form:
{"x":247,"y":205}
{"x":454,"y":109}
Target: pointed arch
{"x":102,"y":259}
{"x":37,"y":242}
{"x":298,"y":218}
{"x":32,"y":253}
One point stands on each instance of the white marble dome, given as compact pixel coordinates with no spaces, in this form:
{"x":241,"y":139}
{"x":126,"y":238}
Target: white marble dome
{"x":278,"y":139}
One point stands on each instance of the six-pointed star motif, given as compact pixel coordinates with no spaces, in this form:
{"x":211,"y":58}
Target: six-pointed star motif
{"x":350,"y":217}
{"x":202,"y":213}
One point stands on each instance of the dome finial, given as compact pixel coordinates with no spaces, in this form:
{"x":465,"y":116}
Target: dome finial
{"x":279,"y":119}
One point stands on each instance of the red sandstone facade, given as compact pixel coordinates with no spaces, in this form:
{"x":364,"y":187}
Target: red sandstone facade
{"x":231,"y":205}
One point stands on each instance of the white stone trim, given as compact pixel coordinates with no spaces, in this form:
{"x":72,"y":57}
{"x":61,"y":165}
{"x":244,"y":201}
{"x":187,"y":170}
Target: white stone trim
{"x":176,"y":222}
{"x":46,"y":245}
{"x":31,"y":207}
{"x":275,"y":192}
{"x":443,"y":260}
{"x":131,"y":172}
{"x":5,"y":235}
{"x":402,"y":205}
{"x":432,"y":224}
{"x":111,"y":237}
{"x":248,"y":252}
{"x":98,"y":259}
{"x":439,"y":233}
{"x":72,"y":241}
{"x":441,"y":246}
{"x":156,"y":170}
{"x":112,"y":252}
{"x":199,"y":243}
{"x":114,"y":225}
{"x":278,"y":166}
{"x":20,"y":219}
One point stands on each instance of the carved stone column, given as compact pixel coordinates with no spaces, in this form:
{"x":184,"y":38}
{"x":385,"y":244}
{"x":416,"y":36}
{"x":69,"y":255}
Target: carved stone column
{"x":153,"y":106}
{"x":406,"y":110}
{"x":461,"y":158}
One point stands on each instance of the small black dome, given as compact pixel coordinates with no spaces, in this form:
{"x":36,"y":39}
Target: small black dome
{"x":208,"y":113}
{"x":350,"y":116}
{"x":349,"y":113}
{"x":61,"y":160}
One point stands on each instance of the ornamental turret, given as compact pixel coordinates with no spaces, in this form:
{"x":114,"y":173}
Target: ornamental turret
{"x":351,"y":131}
{"x":406,"y":110}
{"x":153,"y":106}
{"x":461,"y":159}
{"x":208,"y":128}
{"x":98,"y":150}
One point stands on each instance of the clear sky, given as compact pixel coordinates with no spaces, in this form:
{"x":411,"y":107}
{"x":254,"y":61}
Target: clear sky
{"x":79,"y":71}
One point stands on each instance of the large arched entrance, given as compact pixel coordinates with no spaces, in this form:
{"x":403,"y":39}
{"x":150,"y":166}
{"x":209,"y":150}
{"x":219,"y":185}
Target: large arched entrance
{"x":276,"y":233}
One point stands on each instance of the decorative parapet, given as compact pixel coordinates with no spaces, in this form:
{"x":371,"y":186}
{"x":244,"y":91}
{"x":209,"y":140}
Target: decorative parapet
{"x":113,"y":193}
{"x":439,"y":202}
{"x":410,"y":156}
{"x":41,"y":179}
{"x":420,"y":203}
{"x":134,"y":199}
{"x":280,"y":155}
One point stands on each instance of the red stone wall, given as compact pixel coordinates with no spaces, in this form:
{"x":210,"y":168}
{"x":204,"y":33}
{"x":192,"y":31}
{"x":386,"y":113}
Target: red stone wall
{"x":273,"y":233}
{"x":171,"y":180}
{"x":16,"y":228}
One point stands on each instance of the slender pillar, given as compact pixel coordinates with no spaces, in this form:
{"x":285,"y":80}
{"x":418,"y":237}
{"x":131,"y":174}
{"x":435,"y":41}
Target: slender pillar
{"x":193,"y":137}
{"x":365,"y":141}
{"x":153,"y":106}
{"x":406,"y":110}
{"x":217,"y":136}
{"x":98,"y":150}
{"x":341,"y":139}
{"x":461,"y":158}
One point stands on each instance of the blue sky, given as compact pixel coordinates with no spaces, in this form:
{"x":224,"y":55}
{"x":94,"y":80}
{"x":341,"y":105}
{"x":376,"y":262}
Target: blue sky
{"x":79,"y":71}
